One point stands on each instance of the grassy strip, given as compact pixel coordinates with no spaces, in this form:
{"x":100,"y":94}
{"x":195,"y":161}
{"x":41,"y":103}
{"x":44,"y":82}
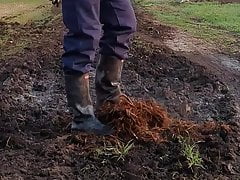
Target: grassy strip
{"x":208,"y":20}
{"x":23,"y":12}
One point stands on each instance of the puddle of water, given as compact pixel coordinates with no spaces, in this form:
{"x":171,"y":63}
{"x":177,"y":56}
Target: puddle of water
{"x":229,"y":62}
{"x":233,"y":64}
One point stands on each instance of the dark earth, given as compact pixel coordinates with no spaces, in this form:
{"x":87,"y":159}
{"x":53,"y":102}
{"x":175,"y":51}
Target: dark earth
{"x":35,"y":140}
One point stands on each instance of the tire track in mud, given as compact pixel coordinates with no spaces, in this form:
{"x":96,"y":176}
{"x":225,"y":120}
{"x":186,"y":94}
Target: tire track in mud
{"x":35,"y":140}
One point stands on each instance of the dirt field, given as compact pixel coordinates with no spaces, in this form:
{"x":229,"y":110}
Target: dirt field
{"x":35,"y":140}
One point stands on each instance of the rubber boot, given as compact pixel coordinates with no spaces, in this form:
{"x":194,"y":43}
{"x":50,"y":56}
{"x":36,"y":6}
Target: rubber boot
{"x":79,"y":101}
{"x":108,"y":80}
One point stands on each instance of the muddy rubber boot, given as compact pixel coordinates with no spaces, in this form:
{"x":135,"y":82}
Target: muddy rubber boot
{"x":79,"y":101}
{"x":108,"y":80}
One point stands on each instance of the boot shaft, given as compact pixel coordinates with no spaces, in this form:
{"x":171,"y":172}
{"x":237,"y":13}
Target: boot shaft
{"x":78,"y":96}
{"x":79,"y":101}
{"x":108,"y":79}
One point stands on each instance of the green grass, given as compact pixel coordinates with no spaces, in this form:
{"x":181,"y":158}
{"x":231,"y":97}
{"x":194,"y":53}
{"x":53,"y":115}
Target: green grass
{"x":190,"y":152}
{"x":24,"y":1}
{"x":24,"y":11}
{"x":118,"y":151}
{"x":208,"y":20}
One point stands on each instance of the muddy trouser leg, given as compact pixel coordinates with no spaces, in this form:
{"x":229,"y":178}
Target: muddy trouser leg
{"x":119,"y":23}
{"x":81,"y":18}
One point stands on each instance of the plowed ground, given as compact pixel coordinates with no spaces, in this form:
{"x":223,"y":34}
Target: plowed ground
{"x":35,"y":140}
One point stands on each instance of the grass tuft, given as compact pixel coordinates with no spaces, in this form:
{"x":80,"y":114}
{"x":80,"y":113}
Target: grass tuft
{"x":118,"y":151}
{"x":190,"y":152}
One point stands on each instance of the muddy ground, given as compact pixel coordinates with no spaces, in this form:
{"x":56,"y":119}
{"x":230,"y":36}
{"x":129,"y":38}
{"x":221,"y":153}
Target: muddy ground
{"x":35,"y":140}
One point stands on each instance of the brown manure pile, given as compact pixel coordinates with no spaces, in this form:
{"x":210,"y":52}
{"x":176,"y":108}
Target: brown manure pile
{"x":149,"y":121}
{"x":143,"y":120}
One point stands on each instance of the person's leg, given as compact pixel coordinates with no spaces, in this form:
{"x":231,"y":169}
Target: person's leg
{"x":119,"y":23}
{"x":81,"y":17}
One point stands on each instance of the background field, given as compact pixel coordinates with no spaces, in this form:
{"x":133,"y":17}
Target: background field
{"x":23,"y":11}
{"x":212,"y":21}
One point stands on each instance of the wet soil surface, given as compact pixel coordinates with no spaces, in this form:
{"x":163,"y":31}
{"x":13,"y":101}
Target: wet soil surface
{"x":35,"y":141}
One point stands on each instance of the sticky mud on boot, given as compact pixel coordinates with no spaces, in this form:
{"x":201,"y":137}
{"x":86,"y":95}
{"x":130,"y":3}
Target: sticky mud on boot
{"x":79,"y":102}
{"x":108,"y":79}
{"x":91,"y":124}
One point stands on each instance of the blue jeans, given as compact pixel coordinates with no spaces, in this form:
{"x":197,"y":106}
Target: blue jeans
{"x":107,"y":24}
